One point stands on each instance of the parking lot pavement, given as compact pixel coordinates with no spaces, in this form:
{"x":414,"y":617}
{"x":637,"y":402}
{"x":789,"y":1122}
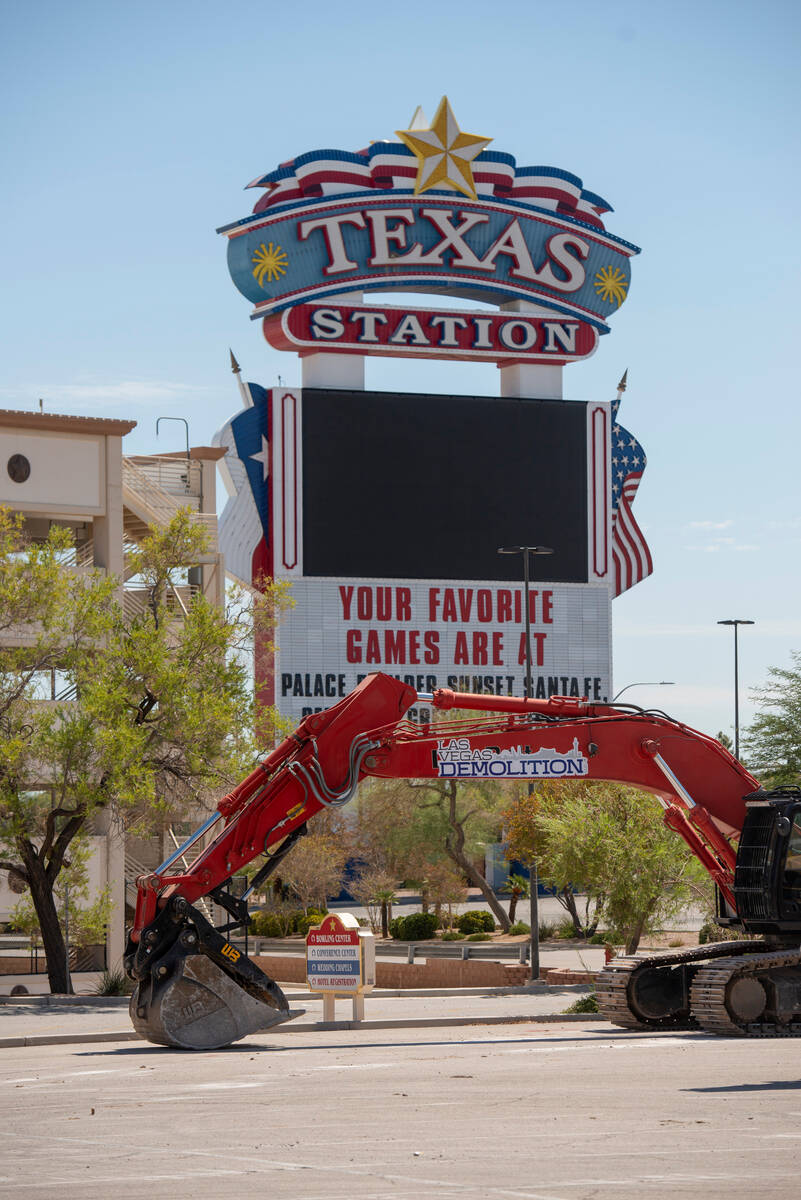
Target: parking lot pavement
{"x":557,"y":1112}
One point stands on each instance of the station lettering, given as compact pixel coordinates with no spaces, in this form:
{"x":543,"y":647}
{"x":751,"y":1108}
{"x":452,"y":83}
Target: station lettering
{"x":447,"y":331}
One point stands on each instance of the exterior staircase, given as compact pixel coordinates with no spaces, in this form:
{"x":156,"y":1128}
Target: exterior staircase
{"x":146,"y":504}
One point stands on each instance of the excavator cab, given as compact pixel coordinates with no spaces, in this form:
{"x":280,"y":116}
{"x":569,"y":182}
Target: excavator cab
{"x":791,"y":883}
{"x":767,"y":877}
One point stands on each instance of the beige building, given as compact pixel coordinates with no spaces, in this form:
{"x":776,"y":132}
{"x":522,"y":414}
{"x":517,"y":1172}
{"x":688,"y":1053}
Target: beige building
{"x":71,"y":471}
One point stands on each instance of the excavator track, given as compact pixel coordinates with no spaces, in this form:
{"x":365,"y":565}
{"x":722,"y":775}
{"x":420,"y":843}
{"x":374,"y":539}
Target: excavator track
{"x":718,"y":991}
{"x":616,"y":986}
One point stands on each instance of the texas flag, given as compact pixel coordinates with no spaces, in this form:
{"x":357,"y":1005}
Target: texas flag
{"x":245,"y":521}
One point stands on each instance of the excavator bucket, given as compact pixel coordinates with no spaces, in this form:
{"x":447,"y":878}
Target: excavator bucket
{"x":194,"y":990}
{"x":201,"y":1008}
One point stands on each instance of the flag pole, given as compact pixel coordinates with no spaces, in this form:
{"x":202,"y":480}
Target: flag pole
{"x":244,"y":390}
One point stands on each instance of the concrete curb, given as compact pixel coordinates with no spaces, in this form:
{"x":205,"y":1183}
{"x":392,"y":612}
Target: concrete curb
{"x":77,"y":1039}
{"x":454,"y":1022}
{"x":50,"y":1001}
{"x":67,"y":1039}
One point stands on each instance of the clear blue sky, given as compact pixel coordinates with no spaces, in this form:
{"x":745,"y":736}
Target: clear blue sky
{"x":128,"y":132}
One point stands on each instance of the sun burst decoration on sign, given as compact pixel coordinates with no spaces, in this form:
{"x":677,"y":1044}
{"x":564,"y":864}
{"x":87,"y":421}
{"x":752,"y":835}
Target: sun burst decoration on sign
{"x":271,"y":263}
{"x":443,"y":153}
{"x":610,"y":284}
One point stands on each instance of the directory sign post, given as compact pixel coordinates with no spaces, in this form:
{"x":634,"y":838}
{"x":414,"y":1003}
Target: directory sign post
{"x":340,"y":961}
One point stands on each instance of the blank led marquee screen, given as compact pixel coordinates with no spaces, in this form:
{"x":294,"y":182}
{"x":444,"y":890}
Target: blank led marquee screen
{"x":415,"y":486}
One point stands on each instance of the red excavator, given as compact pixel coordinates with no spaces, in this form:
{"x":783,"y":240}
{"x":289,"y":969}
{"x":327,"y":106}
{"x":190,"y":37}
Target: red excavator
{"x":196,"y":991}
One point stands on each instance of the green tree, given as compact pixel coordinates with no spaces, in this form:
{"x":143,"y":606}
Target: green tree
{"x":315,"y":868}
{"x":610,"y":842}
{"x":163,"y":716}
{"x":773,"y":740}
{"x":467,"y":817}
{"x":523,"y":842}
{"x":384,"y":833}
{"x":426,"y":832}
{"x":444,"y":887}
{"x":82,"y":922}
{"x":385,"y":895}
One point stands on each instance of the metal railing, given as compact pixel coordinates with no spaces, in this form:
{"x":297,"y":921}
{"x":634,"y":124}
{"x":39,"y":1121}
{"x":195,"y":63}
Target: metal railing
{"x":155,"y":506}
{"x":180,"y":477}
{"x":146,"y":497}
{"x":134,"y":867}
{"x":411,"y":951}
{"x":150,"y":496}
{"x":79,"y":556}
{"x":81,"y":958}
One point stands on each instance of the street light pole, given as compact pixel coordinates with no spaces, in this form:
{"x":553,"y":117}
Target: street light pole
{"x":735,"y":623}
{"x":651,"y":683}
{"x":525,"y":551}
{"x":526,"y":590}
{"x":534,"y":916}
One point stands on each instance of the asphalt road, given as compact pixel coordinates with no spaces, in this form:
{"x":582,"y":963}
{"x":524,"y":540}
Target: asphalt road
{"x":558,"y":1112}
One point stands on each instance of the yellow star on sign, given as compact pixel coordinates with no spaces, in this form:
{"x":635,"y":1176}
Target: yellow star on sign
{"x":444,"y":153}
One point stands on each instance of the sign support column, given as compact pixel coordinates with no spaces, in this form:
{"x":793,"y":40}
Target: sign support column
{"x":522,"y":379}
{"x":327,"y":370}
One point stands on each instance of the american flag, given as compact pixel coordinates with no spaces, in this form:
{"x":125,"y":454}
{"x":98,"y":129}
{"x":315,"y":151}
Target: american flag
{"x":630,"y":552}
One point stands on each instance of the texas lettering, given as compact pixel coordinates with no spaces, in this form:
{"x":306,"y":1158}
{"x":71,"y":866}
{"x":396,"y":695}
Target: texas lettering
{"x":487,"y":249}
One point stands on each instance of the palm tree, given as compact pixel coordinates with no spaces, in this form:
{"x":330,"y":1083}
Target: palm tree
{"x":517,"y":886}
{"x":384,"y":896}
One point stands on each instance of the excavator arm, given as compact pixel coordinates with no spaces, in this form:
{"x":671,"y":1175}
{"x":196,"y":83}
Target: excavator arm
{"x":193,"y":989}
{"x":196,"y":990}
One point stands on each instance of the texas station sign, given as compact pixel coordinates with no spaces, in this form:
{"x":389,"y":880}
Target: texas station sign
{"x":432,"y":212}
{"x":384,"y":511}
